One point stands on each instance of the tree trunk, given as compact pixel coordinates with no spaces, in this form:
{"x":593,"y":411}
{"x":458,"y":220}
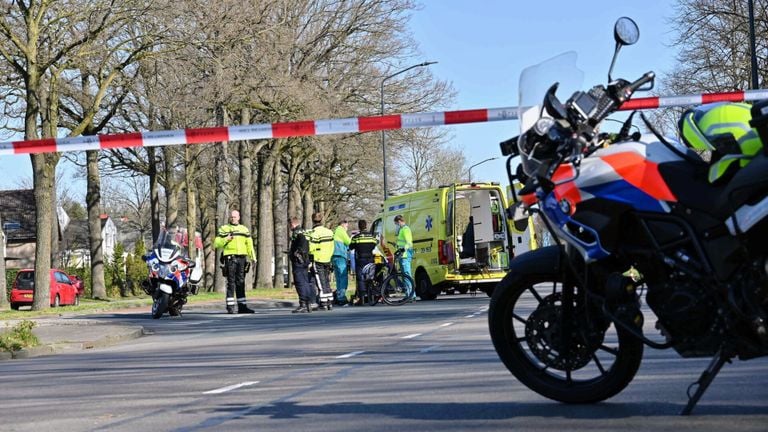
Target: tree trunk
{"x":43,"y":174}
{"x":222,"y":190}
{"x":54,"y":225}
{"x":280,"y":224}
{"x":208,"y":231}
{"x":95,"y":242}
{"x":171,"y":188}
{"x":266,"y":226}
{"x":246,"y":188}
{"x":309,"y":205}
{"x":191,"y":203}
{"x":3,"y":289}
{"x":154,"y":194}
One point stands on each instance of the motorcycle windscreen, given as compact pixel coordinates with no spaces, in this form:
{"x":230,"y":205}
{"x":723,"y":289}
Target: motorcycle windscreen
{"x":532,"y":87}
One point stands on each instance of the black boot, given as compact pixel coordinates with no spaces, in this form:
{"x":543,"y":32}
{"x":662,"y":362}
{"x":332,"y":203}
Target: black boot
{"x":300,"y":308}
{"x":303,"y":308}
{"x":230,"y":310}
{"x":242,"y":308}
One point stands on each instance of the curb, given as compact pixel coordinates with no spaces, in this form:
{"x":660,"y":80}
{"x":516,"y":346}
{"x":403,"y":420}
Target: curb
{"x":132,"y":332}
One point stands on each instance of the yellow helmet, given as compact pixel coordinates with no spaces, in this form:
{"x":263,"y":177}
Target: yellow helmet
{"x":724,"y":129}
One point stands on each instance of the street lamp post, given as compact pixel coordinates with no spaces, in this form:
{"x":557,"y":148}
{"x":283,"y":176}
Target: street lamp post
{"x":383,"y":135}
{"x":469,"y":174}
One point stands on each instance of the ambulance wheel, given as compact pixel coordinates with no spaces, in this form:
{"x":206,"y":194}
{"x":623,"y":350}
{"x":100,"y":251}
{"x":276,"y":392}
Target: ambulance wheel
{"x":424,"y":286}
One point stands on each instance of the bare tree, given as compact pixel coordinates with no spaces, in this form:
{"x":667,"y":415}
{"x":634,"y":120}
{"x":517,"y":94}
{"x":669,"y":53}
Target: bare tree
{"x":42,"y":40}
{"x":713,"y":51}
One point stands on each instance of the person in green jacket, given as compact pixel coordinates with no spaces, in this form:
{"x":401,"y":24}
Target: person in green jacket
{"x":405,"y":242}
{"x":321,"y":252}
{"x":237,"y":253}
{"x":341,"y":241}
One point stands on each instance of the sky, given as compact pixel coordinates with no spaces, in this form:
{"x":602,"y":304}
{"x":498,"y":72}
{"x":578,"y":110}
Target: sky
{"x":482,"y":46}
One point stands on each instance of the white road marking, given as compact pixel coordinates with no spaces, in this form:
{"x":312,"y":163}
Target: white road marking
{"x":348,"y":355}
{"x":428,"y":349}
{"x":470,"y":316}
{"x":446,"y":324}
{"x":411,"y":336}
{"x":232,"y":387}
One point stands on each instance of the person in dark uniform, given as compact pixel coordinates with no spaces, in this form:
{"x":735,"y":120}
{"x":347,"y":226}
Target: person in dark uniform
{"x":363,"y":243}
{"x":299,"y":256}
{"x":237,"y":251}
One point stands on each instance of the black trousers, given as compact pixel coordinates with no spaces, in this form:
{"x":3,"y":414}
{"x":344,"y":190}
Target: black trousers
{"x":361,"y":287}
{"x":301,"y":280}
{"x":235,"y":279}
{"x":323,"y":271}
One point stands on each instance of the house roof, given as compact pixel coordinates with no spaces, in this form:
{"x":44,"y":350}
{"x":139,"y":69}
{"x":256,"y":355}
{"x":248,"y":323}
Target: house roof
{"x":17,"y":209}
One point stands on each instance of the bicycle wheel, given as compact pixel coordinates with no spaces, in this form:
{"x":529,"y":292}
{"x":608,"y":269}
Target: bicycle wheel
{"x":396,"y":289}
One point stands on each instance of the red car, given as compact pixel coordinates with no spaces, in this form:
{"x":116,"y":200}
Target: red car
{"x":63,"y":291}
{"x":78,"y":283}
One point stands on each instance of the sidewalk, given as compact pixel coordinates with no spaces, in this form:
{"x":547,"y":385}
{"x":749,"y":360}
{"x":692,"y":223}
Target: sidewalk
{"x":77,"y":332}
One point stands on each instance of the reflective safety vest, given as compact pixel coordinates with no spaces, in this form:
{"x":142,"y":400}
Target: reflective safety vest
{"x":241,"y":243}
{"x":405,"y":238}
{"x":363,"y":244}
{"x":321,"y":244}
{"x":340,"y":242}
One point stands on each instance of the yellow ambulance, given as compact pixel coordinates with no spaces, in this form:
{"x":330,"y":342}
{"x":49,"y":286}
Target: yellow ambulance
{"x":461,"y":237}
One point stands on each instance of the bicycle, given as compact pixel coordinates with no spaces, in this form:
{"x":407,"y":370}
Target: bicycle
{"x":386,"y":282}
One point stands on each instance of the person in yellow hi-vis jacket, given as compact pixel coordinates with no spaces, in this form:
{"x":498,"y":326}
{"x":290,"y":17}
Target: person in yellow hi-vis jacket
{"x":237,"y":253}
{"x":321,"y":252}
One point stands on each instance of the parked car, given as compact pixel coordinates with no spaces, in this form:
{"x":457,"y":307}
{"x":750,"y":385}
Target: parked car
{"x":78,"y":283}
{"x":63,"y":291}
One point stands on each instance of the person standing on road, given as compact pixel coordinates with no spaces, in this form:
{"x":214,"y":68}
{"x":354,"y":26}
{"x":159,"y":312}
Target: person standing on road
{"x":405,"y":242}
{"x":237,"y":254}
{"x":340,"y":270}
{"x":321,"y":251}
{"x":299,"y":256}
{"x":363,"y":244}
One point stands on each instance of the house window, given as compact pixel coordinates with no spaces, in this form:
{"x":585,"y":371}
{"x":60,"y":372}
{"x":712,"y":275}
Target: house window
{"x":11,"y":225}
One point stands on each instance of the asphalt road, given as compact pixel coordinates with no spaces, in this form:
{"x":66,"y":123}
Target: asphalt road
{"x":428,"y":366}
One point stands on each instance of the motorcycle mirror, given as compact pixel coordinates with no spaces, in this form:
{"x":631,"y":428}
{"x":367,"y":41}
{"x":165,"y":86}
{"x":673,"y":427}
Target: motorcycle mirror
{"x":625,"y":32}
{"x":552,"y":104}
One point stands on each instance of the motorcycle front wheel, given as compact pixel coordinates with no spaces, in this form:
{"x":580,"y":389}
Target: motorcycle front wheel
{"x":579,"y":360}
{"x":160,"y":305}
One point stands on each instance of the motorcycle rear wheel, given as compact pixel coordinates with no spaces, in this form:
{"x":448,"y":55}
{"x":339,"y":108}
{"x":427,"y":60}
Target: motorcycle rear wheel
{"x":529,"y":334}
{"x":160,"y":305}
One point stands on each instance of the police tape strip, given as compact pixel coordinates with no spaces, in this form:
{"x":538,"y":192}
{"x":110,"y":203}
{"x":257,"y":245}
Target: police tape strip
{"x":329,"y":127}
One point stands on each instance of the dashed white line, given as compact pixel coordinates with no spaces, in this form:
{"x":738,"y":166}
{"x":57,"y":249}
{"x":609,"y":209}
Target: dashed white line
{"x":348,"y":355}
{"x":471,"y":316}
{"x":232,"y":387}
{"x":411,"y":336}
{"x":446,"y":324}
{"x":428,"y":349}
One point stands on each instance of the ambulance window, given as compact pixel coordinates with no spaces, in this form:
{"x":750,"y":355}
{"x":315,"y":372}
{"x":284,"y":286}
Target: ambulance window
{"x":376,"y":228}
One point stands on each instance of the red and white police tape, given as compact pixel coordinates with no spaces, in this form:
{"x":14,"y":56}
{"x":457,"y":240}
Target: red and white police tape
{"x":329,"y":127}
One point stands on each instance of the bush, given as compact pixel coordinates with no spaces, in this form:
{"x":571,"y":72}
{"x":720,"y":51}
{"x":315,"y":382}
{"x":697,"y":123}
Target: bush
{"x":10,"y":276}
{"x":18,"y":337}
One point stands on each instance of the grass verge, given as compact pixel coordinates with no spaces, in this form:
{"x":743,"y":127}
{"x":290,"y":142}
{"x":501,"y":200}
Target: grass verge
{"x":18,"y":337}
